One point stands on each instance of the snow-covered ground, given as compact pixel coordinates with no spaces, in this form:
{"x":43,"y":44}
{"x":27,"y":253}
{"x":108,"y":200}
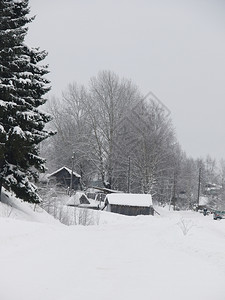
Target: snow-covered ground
{"x":174,"y":256}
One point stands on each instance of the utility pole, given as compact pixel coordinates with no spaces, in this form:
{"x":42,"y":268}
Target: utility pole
{"x":128,"y":176}
{"x":199,"y":185}
{"x":71,"y":177}
{"x":173,"y":192}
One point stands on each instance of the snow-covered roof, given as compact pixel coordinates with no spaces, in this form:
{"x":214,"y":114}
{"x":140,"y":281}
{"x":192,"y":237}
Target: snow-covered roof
{"x":106,"y":190}
{"x":144,"y":200}
{"x":67,"y":169}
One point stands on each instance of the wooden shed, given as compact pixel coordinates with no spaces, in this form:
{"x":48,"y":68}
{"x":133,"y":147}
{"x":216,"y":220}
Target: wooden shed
{"x":62,"y":177}
{"x":129,"y":204}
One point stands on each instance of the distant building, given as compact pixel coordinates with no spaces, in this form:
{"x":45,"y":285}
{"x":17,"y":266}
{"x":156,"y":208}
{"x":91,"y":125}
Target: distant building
{"x":129,"y":204}
{"x":62,"y":178}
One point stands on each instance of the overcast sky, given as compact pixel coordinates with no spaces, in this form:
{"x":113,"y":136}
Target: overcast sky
{"x":176,"y":49}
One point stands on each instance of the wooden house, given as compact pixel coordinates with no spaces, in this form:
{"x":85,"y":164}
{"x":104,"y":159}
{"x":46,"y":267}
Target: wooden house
{"x":129,"y":204}
{"x":62,"y":178}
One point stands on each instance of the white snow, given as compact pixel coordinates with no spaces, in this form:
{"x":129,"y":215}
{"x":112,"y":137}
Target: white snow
{"x":203,"y":200}
{"x":174,"y":256}
{"x":25,"y":80}
{"x":2,"y":130}
{"x":130,"y":199}
{"x":18,"y":131}
{"x":12,"y":207}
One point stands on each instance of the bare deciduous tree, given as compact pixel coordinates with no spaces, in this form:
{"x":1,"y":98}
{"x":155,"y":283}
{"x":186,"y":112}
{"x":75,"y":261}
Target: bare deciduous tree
{"x":110,"y":98}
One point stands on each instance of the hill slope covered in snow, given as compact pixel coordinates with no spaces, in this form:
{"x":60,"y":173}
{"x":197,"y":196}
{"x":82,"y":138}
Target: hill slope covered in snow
{"x":177,"y":255}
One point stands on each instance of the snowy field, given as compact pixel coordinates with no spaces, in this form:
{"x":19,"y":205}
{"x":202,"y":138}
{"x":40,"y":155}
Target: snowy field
{"x":174,"y":256}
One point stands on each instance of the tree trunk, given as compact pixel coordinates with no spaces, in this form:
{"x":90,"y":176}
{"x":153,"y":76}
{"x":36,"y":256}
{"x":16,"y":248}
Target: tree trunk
{"x":0,"y":190}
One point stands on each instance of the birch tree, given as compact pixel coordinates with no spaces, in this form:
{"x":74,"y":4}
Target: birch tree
{"x":110,"y":98}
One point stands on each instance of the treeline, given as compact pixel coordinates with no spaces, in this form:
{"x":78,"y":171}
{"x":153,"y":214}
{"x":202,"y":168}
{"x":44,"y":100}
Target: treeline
{"x":126,"y":141}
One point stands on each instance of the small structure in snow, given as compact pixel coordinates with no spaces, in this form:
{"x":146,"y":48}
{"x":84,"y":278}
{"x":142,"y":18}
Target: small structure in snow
{"x":62,"y":177}
{"x":80,"y":200}
{"x":129,"y":204}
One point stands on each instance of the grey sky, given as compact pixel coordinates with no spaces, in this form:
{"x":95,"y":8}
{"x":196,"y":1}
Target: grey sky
{"x":176,"y":49}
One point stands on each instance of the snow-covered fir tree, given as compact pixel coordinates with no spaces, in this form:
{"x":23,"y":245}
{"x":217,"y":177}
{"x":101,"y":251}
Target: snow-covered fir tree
{"x":22,"y":86}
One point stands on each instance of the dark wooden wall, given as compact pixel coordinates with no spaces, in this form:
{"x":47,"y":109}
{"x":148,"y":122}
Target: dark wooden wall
{"x":63,"y":178}
{"x":131,"y":210}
